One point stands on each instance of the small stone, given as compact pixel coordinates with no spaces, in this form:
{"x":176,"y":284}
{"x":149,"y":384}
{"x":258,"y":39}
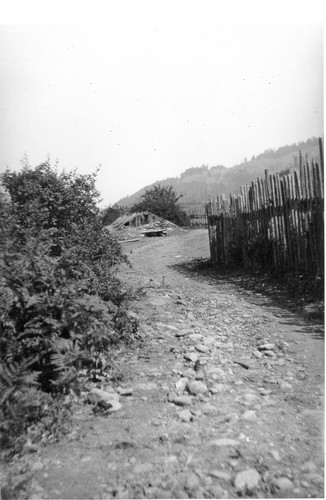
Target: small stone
{"x":266,"y":347}
{"x":185,"y":415}
{"x":257,"y":354}
{"x":309,"y":467}
{"x":182,"y":400}
{"x":114,"y":406}
{"x":191,"y":356}
{"x":195,"y":336}
{"x":264,"y":392}
{"x":215,"y":370}
{"x":247,"y":480}
{"x":189,"y":373}
{"x":245,"y":363}
{"x":171,"y":396}
{"x":249,"y":415}
{"x":197,"y":387}
{"x":202,"y":348}
{"x":224,"y":442}
{"x":181,"y":384}
{"x":275,"y":454}
{"x":280,"y":362}
{"x":95,"y":395}
{"x":183,"y":333}
{"x":208,"y":409}
{"x":283,"y":484}
{"x":126,"y":392}
{"x":270,"y":354}
{"x":250,"y":397}
{"x":221,"y":474}
{"x":285,"y":386}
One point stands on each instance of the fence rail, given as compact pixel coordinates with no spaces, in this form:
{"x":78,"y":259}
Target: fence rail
{"x":276,"y":222}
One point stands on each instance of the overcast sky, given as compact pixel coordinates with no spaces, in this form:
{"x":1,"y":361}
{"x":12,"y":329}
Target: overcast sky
{"x":148,"y":93}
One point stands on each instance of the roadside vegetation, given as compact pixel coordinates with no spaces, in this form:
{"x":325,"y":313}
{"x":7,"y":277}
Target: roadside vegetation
{"x":63,"y":308}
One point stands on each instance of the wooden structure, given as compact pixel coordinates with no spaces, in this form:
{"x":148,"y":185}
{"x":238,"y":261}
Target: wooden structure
{"x":275,"y":223}
{"x":154,"y":232}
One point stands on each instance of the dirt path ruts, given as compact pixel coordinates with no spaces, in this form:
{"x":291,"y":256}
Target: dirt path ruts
{"x":249,"y":422}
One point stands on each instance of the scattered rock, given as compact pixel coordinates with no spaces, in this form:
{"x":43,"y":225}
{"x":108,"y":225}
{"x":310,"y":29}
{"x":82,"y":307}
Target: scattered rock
{"x":266,"y":347}
{"x":244,"y":363}
{"x":309,"y":467}
{"x":249,"y":415}
{"x":285,"y":386}
{"x":125,"y":392}
{"x":197,"y":387}
{"x":98,"y":396}
{"x":189,"y":373}
{"x":275,"y":454}
{"x":208,"y":409}
{"x":247,"y":480}
{"x":183,"y":333}
{"x":212,"y":371}
{"x":111,"y":406}
{"x":182,"y":400}
{"x":202,"y":348}
{"x":185,"y":415}
{"x":171,"y":396}
{"x":283,"y":484}
{"x":257,"y":354}
{"x":181,"y":384}
{"x":264,"y":392}
{"x":221,"y":474}
{"x":250,"y":397}
{"x":191,"y":356}
{"x":270,"y":354}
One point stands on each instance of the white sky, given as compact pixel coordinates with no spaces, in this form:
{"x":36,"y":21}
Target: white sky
{"x":148,"y":89}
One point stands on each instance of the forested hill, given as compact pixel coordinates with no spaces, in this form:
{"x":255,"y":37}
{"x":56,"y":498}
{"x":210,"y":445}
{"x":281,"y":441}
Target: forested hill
{"x":197,"y":184}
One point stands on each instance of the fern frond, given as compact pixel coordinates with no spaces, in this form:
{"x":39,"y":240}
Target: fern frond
{"x":16,"y":377}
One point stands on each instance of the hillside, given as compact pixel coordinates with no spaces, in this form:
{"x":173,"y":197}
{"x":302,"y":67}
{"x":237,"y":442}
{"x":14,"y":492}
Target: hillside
{"x":197,"y":184}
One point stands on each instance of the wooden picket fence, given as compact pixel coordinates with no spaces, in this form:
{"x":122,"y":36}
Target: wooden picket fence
{"x":198,"y":218}
{"x":275,"y":223}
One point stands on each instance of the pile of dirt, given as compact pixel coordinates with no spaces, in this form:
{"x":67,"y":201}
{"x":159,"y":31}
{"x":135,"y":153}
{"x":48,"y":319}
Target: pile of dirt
{"x":140,"y":224}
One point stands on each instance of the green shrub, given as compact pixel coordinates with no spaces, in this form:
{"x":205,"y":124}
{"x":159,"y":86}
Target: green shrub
{"x":63,"y":305}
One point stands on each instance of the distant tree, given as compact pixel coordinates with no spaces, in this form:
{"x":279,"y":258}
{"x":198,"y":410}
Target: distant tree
{"x":111,"y":213}
{"x":162,"y":201}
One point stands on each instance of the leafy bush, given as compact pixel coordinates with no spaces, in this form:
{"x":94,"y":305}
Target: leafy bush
{"x":63,"y":305}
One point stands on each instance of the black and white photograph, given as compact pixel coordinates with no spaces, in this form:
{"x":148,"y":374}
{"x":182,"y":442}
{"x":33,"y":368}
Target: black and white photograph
{"x":161,"y":249}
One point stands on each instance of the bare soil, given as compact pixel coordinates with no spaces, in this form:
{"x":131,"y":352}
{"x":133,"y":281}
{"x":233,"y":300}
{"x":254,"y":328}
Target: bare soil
{"x":254,"y":430}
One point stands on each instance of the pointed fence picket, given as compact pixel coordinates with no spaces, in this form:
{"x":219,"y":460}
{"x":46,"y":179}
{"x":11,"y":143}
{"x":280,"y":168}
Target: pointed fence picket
{"x":276,"y":222}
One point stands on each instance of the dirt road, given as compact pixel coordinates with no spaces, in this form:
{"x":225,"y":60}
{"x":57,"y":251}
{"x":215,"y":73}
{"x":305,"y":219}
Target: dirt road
{"x":224,"y":399}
